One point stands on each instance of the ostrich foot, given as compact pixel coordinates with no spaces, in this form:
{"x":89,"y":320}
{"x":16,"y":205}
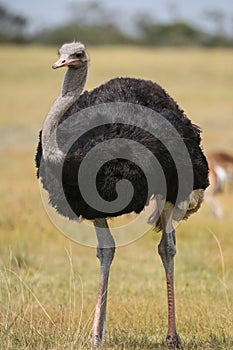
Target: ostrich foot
{"x":173,"y":342}
{"x":96,"y":341}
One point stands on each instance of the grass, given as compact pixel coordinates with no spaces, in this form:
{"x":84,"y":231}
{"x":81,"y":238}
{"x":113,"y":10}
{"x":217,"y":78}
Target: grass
{"x":48,"y":284}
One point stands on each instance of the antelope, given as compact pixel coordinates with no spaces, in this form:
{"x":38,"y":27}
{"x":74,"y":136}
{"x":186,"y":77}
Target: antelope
{"x":220,"y":173}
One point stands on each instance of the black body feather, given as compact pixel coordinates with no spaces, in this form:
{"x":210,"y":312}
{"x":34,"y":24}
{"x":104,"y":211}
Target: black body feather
{"x":139,"y":92}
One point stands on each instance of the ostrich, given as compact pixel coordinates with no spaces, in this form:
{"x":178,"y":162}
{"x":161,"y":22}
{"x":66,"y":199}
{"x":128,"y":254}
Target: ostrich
{"x":50,"y":156}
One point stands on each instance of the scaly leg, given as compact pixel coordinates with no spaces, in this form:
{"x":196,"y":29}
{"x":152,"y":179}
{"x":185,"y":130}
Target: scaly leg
{"x":105,"y":253}
{"x":167,"y":251}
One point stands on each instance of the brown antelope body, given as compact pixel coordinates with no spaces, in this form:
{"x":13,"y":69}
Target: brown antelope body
{"x":220,"y":173}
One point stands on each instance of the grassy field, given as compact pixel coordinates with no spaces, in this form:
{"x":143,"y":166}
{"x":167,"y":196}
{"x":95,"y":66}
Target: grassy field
{"x":48,"y":284}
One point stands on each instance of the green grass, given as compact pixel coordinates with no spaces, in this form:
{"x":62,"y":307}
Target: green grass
{"x":48,"y":284}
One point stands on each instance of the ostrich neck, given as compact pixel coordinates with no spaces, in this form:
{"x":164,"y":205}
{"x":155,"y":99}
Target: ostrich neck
{"x":72,"y":88}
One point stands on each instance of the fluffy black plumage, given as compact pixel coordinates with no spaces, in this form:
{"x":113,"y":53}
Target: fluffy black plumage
{"x":139,"y":92}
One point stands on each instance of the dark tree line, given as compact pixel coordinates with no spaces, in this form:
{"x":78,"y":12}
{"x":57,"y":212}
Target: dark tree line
{"x":12,"y":26}
{"x":94,"y":24}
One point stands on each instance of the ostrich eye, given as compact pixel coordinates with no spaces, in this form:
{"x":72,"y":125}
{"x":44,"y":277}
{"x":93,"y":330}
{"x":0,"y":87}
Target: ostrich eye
{"x":79,"y":54}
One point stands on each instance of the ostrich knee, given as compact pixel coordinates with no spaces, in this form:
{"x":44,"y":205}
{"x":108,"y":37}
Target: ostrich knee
{"x":167,"y":250}
{"x":105,"y":256}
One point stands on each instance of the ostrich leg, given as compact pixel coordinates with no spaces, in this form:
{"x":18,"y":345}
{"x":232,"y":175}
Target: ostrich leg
{"x":105,"y":253}
{"x":167,"y":251}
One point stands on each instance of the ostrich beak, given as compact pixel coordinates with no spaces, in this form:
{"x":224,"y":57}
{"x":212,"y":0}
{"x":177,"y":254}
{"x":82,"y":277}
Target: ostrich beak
{"x":63,"y":61}
{"x":59,"y":63}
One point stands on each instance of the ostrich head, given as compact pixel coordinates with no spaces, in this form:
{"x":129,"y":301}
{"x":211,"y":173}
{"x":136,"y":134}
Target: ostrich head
{"x":72,"y":55}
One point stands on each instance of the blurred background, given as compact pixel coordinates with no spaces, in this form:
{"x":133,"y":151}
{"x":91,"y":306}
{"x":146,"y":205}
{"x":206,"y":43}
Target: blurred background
{"x":48,"y":284}
{"x":161,"y":23}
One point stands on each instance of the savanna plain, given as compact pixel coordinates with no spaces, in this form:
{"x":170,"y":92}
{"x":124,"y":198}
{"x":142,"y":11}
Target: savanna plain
{"x":48,"y":284}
